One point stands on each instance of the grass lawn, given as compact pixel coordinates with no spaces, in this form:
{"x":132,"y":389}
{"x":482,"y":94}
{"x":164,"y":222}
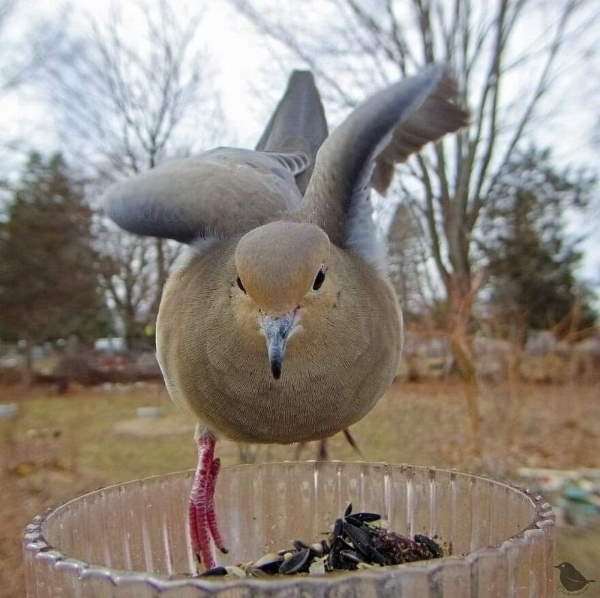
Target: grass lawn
{"x":59,"y":447}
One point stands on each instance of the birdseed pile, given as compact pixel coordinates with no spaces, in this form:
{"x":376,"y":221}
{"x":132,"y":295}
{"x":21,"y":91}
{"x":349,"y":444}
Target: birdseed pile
{"x":356,"y":541}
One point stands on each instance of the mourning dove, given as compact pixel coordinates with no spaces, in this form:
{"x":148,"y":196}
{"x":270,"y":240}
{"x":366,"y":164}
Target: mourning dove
{"x":281,"y":325}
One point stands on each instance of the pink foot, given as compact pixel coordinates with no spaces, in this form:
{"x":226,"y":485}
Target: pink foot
{"x":202,"y":518}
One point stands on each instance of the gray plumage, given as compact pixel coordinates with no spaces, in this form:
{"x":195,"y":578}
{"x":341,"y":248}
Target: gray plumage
{"x":280,"y":327}
{"x":343,"y":335}
{"x":381,"y":132}
{"x":223,"y":192}
{"x":298,"y":124}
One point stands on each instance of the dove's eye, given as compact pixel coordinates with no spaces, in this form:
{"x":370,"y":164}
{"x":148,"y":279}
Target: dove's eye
{"x":319,"y":279}
{"x":239,"y":284}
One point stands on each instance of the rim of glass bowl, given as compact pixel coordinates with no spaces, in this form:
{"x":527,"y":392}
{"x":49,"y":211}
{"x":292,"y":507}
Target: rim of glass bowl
{"x":41,"y":549}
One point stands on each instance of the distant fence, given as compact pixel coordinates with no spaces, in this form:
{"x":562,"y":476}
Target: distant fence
{"x":84,"y":367}
{"x":426,"y":356}
{"x":544,"y":359}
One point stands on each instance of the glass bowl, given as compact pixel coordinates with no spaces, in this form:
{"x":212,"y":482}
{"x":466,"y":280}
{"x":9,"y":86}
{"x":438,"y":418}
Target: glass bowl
{"x":132,"y":540}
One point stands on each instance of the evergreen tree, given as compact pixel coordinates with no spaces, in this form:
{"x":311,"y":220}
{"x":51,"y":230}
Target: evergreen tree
{"x":407,"y":257}
{"x":532,"y":260}
{"x":48,"y":264}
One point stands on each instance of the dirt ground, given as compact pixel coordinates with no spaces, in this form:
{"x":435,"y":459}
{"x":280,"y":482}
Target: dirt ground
{"x":60,"y":447}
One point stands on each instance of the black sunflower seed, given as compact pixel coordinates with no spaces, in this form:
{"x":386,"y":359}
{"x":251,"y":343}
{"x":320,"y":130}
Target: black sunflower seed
{"x":351,"y":556}
{"x":353,"y":540}
{"x":214,"y":571}
{"x":333,"y":558}
{"x":300,"y":545}
{"x":298,"y":563}
{"x":331,"y":564}
{"x":367,"y":517}
{"x":360,"y":538}
{"x":269,"y":563}
{"x":354,"y":520}
{"x":342,"y":543}
{"x":337,"y":529}
{"x":377,"y":557}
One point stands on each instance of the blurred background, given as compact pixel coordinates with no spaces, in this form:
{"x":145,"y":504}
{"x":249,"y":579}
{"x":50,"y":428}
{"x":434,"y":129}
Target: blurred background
{"x":494,"y":236}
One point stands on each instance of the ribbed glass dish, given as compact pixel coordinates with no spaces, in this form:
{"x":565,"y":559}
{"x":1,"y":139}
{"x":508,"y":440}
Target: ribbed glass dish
{"x":131,"y":539}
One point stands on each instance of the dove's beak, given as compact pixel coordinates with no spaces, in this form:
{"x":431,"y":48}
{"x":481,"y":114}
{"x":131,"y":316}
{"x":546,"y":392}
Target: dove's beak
{"x":277,"y":331}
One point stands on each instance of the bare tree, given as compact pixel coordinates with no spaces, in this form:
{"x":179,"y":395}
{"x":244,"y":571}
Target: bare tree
{"x":28,"y":42}
{"x":124,"y":103}
{"x":127,"y":279}
{"x":23,"y":56}
{"x":7,"y":8}
{"x":504,"y":73}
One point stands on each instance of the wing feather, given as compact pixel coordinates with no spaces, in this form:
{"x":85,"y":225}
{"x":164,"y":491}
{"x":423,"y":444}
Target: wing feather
{"x":364,"y":149}
{"x":222,"y":193}
{"x":227,"y":191}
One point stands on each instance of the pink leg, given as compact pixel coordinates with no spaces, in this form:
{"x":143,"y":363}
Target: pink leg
{"x":211,"y":515}
{"x":202,"y":519}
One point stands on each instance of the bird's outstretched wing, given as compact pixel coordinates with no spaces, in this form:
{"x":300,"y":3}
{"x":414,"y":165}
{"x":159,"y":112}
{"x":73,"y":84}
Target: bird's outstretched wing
{"x":382,"y":131}
{"x":298,"y":123}
{"x":227,"y":191}
{"x":222,"y":193}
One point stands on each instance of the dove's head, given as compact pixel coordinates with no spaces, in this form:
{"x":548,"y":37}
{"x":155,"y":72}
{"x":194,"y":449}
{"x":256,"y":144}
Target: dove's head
{"x":282,"y":283}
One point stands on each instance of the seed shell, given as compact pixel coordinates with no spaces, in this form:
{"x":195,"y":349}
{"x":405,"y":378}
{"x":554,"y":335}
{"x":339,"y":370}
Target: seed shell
{"x":298,"y":563}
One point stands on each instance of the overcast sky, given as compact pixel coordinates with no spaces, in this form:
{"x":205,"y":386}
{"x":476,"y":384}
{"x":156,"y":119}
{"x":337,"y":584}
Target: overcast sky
{"x":243,"y":64}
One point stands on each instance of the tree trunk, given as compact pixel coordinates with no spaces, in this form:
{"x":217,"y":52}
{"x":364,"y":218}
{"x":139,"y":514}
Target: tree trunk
{"x":461,"y":305}
{"x":130,"y":329}
{"x":161,"y":275}
{"x":459,"y":298}
{"x":28,"y":372}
